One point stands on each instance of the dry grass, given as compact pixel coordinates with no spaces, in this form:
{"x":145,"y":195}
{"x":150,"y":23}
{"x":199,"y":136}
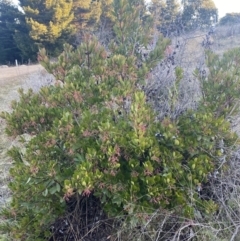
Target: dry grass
{"x":11,"y":73}
{"x":226,"y":37}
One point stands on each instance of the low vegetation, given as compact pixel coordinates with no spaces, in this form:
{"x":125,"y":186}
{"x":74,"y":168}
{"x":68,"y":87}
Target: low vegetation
{"x":127,"y":142}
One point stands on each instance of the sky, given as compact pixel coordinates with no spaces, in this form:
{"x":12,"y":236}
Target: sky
{"x":223,"y":6}
{"x":227,"y":6}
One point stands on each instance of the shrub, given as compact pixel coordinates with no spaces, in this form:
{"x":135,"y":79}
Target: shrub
{"x":93,"y":133}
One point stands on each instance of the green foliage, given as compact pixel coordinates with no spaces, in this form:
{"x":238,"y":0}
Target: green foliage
{"x":131,"y":17}
{"x":93,"y":132}
{"x":221,"y":87}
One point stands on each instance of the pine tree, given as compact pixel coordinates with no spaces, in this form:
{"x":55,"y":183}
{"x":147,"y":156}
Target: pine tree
{"x":49,"y":21}
{"x":24,"y":42}
{"x":87,"y":13}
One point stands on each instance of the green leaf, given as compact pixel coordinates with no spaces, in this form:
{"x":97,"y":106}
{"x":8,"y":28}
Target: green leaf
{"x":45,"y":192}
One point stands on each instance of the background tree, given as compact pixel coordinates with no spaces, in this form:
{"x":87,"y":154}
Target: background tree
{"x":230,"y":18}
{"x":197,"y":14}
{"x":15,"y":40}
{"x":9,"y":15}
{"x":88,"y":13}
{"x":24,"y":42}
{"x":166,"y":14}
{"x":49,"y":22}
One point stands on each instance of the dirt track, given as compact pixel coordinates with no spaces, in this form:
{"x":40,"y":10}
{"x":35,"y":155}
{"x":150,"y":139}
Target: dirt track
{"x":7,"y":73}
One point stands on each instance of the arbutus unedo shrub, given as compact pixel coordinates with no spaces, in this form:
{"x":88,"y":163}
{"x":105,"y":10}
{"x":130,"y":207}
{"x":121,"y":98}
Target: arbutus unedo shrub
{"x":94,"y":138}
